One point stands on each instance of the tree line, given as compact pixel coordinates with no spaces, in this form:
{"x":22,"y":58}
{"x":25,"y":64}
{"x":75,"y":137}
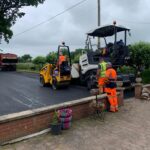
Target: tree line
{"x":50,"y":58}
{"x":139,"y":56}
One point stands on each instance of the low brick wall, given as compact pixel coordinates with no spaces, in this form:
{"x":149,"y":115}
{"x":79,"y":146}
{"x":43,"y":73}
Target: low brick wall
{"x":24,"y":123}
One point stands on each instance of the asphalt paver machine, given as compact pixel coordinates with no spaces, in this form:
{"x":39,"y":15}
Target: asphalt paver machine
{"x":115,"y":51}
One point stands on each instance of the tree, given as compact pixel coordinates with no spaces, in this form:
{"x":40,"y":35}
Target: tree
{"x":25,"y":58}
{"x":9,"y":12}
{"x":51,"y":57}
{"x":39,"y":60}
{"x":76,"y":54}
{"x":140,"y":55}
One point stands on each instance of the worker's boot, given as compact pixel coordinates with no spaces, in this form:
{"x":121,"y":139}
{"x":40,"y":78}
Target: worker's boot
{"x":116,"y":108}
{"x":112,"y":109}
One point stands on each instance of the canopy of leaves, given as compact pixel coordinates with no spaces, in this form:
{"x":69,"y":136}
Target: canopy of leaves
{"x":51,"y":57}
{"x":25,"y":58}
{"x":9,"y":12}
{"x":140,"y":55}
{"x":146,"y":76}
{"x":76,"y":54}
{"x":39,"y":60}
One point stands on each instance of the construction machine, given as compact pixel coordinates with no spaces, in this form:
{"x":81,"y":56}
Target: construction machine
{"x":115,"y":52}
{"x":58,"y":74}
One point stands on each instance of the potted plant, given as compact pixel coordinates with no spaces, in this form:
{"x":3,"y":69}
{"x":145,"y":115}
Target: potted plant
{"x":56,"y":124}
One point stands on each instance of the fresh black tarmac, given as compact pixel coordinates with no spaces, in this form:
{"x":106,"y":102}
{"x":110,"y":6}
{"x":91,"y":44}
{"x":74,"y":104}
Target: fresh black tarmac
{"x":22,"y":91}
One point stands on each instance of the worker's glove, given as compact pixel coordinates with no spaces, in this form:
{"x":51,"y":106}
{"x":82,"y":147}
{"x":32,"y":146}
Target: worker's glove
{"x":97,"y":78}
{"x":106,"y":81}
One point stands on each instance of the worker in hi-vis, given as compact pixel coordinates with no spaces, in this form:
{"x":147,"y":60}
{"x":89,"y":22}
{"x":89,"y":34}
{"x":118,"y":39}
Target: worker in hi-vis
{"x":110,"y":87}
{"x":101,"y":74}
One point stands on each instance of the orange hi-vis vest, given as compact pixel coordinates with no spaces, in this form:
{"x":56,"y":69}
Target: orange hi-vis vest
{"x":61,"y":59}
{"x":111,"y":74}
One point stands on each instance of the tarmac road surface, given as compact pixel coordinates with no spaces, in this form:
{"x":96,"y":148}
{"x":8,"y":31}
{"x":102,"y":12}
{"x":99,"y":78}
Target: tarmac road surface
{"x":22,"y":91}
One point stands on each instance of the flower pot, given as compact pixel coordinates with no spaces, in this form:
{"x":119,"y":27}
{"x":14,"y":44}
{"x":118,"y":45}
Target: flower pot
{"x":65,"y":120}
{"x":64,"y":113}
{"x":56,"y":129}
{"x":65,"y":116}
{"x":66,"y":125}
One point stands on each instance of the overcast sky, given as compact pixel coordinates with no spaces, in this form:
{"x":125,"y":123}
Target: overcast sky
{"x":72,"y":25}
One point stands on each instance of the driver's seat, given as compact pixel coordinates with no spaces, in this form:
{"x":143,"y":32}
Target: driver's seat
{"x":65,"y":68}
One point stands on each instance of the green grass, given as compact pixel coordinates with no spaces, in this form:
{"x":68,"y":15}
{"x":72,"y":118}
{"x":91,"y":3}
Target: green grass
{"x":28,"y":67}
{"x":30,"y":71}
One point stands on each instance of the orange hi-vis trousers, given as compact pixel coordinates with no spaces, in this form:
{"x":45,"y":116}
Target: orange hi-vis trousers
{"x":101,"y":83}
{"x":112,"y":98}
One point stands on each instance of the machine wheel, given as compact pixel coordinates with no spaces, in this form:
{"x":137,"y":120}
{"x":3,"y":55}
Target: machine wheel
{"x":89,"y":84}
{"x":91,"y":81}
{"x":54,"y":84}
{"x":42,"y":81}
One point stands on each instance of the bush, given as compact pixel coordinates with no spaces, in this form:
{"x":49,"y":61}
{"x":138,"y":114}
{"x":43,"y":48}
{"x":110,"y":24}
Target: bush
{"x":127,"y":69}
{"x":28,"y":67}
{"x":146,"y":76}
{"x":24,"y":66}
{"x":51,"y":57}
{"x":39,"y":60}
{"x":140,"y":55}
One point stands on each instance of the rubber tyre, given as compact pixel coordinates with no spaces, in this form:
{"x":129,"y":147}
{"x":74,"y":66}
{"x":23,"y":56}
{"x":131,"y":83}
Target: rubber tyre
{"x":42,"y":81}
{"x":54,"y":84}
{"x":89,"y":84}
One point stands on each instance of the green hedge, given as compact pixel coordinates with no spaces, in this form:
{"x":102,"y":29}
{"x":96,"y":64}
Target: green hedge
{"x":28,"y":67}
{"x":126,"y":69}
{"x":146,"y":76}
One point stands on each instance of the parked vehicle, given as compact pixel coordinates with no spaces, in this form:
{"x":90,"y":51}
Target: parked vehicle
{"x":8,"y":61}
